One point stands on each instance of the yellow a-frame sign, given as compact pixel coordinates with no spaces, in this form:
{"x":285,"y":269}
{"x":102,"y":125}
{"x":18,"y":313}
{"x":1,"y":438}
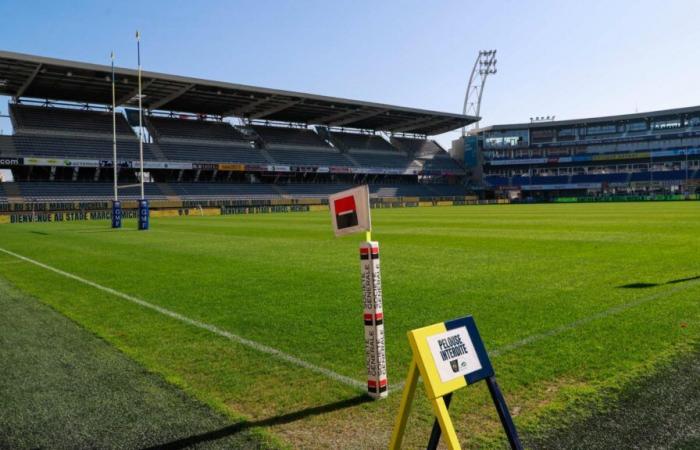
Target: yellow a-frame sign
{"x":448,"y":356}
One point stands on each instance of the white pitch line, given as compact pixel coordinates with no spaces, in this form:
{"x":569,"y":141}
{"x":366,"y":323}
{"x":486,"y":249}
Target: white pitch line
{"x":577,"y":323}
{"x":205,"y":326}
{"x":601,"y":315}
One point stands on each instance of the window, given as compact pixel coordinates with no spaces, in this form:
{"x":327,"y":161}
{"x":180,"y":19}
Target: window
{"x":505,"y":139}
{"x":666,"y":124}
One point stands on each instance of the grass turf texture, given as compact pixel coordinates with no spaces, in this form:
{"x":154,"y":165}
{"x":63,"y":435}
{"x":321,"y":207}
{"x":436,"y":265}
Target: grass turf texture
{"x":660,"y":412}
{"x":282,"y":280}
{"x":62,"y":387}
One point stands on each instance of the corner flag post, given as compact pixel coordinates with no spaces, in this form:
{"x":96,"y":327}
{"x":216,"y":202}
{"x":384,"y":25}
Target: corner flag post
{"x":350,"y":213}
{"x":116,"y":205}
{"x":143,"y":203}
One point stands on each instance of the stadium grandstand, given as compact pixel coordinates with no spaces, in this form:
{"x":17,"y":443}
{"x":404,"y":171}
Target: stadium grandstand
{"x":209,"y":140}
{"x":643,"y":153}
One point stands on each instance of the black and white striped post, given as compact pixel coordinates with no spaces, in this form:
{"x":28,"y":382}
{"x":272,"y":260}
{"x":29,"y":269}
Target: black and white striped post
{"x":350,"y":213}
{"x":375,"y":348}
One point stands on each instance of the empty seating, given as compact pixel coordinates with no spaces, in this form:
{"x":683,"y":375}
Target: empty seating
{"x":313,"y":190}
{"x":416,"y":190}
{"x":69,"y":191}
{"x":600,"y":178}
{"x":278,"y":137}
{"x":211,"y":153}
{"x":77,"y":147}
{"x":428,"y":153}
{"x":383,"y":159}
{"x":448,"y":190}
{"x":309,"y":157}
{"x":417,"y":147}
{"x":376,"y":190}
{"x":204,"y":191}
{"x":7,"y":147}
{"x":496,"y":180}
{"x":670,"y":175}
{"x":441,"y":163}
{"x":62,"y":120}
{"x":299,"y":147}
{"x":373,"y":151}
{"x":353,"y":141}
{"x":555,"y":179}
{"x":163,"y":128}
{"x":102,"y":191}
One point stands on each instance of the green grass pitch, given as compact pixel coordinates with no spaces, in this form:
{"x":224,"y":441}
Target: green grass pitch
{"x":574,"y":302}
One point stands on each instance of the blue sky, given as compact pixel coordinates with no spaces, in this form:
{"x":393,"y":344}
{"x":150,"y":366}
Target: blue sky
{"x":568,"y":58}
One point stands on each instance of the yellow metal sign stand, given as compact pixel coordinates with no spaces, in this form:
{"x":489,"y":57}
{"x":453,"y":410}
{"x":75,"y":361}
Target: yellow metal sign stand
{"x":448,"y":356}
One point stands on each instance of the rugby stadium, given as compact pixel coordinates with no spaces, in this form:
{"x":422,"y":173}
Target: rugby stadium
{"x":210,"y":142}
{"x":236,"y":320}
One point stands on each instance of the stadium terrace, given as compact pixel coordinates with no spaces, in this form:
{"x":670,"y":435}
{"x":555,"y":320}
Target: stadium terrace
{"x":209,"y":140}
{"x":643,"y":153}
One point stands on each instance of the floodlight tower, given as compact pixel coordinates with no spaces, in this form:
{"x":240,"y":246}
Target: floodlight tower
{"x":484,"y":66}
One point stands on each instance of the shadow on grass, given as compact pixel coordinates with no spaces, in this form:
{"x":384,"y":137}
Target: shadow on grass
{"x":230,"y":430}
{"x":650,"y":285}
{"x":682,"y":280}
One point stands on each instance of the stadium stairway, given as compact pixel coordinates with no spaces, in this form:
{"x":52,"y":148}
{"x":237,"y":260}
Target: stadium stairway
{"x":13,"y":193}
{"x":351,"y":159}
{"x":259,"y":143}
{"x":168,"y":191}
{"x":157,"y":152}
{"x":280,"y":191}
{"x":266,"y":155}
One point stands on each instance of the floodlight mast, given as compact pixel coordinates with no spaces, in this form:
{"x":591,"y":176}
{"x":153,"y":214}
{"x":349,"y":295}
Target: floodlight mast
{"x":486,"y":65}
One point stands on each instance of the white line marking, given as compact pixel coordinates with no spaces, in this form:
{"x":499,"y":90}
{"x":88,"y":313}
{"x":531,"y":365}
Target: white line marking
{"x":205,"y":326}
{"x":601,"y":315}
{"x":577,"y":323}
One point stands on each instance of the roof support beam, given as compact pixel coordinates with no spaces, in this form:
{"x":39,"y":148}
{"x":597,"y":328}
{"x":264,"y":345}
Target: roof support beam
{"x":364,"y":116}
{"x":241,"y":110}
{"x":125,"y":98}
{"x":22,"y":89}
{"x":276,"y":109}
{"x":408,"y":126}
{"x":169,"y":98}
{"x":329,"y":118}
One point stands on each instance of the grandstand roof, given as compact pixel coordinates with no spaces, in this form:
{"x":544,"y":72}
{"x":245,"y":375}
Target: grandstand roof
{"x":601,"y":119}
{"x":32,"y":76}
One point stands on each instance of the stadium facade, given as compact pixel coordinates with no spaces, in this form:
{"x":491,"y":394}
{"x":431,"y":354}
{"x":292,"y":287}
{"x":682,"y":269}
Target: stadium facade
{"x":208,"y":140}
{"x":647,"y":153}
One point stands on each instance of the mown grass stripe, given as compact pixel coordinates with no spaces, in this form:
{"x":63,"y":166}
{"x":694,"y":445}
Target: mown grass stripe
{"x":205,"y":326}
{"x":578,"y":323}
{"x":601,"y":315}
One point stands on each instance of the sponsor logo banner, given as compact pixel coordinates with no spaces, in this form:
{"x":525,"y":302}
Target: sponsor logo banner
{"x":231,"y":167}
{"x":205,"y":166}
{"x":11,"y":161}
{"x":256,"y":168}
{"x":121,"y":164}
{"x":164,"y":165}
